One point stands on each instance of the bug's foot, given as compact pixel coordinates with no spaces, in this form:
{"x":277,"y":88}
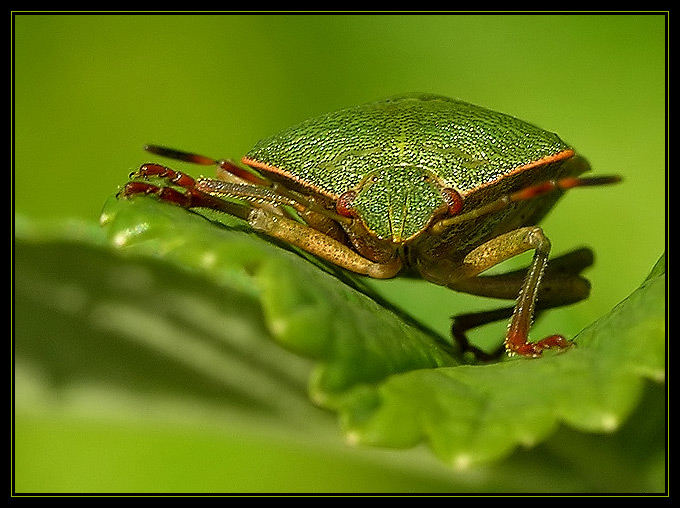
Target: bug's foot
{"x":164,"y":193}
{"x":513,"y":346}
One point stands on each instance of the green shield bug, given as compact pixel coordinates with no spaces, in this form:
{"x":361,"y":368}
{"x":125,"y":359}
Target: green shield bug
{"x":416,"y":184}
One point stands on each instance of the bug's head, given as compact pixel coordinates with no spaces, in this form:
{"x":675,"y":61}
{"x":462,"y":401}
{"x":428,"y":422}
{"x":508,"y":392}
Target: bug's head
{"x":397,"y":203}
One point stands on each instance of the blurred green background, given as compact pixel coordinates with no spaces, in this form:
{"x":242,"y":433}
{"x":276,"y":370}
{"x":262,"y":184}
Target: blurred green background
{"x":90,"y":90}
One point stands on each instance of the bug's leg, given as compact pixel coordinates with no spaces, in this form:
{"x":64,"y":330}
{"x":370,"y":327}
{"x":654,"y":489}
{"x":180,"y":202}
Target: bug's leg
{"x":231,"y":173}
{"x":209,"y":193}
{"x":462,"y":323}
{"x":320,"y":244}
{"x":561,"y":285}
{"x":499,"y":249}
{"x":204,"y":192}
{"x":188,"y":197}
{"x":517,"y":336}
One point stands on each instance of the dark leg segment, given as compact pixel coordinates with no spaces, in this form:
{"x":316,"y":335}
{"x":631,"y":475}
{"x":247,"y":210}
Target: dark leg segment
{"x":464,"y":322}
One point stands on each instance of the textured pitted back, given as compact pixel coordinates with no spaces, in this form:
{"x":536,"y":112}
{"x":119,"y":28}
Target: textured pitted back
{"x":463,"y":145}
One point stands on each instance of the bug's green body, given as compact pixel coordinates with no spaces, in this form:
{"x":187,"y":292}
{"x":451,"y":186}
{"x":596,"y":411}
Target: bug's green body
{"x":418,"y":184}
{"x":399,"y":153}
{"x":464,"y":145}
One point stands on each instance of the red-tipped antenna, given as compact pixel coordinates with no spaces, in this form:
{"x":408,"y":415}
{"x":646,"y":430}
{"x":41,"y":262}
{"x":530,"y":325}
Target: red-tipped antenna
{"x":171,"y":153}
{"x":228,"y":166}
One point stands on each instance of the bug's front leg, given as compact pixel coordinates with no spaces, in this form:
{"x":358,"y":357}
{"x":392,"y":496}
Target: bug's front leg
{"x":320,"y":244}
{"x":561,"y":284}
{"x":499,"y":249}
{"x":262,"y":216}
{"x":185,"y":193}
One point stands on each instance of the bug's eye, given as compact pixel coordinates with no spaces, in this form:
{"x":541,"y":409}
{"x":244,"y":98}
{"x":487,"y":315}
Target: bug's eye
{"x":453,"y":200}
{"x":344,"y":204}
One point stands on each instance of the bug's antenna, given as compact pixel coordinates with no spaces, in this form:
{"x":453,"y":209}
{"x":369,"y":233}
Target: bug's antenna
{"x":262,"y":190}
{"x":203,"y":160}
{"x":171,"y":153}
{"x":525,"y":194}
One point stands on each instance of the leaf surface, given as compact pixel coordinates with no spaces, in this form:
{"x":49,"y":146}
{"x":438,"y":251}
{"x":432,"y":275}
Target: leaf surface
{"x":393,"y":382}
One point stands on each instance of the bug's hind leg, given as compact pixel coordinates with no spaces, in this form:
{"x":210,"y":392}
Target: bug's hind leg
{"x":462,"y":323}
{"x":562,"y":284}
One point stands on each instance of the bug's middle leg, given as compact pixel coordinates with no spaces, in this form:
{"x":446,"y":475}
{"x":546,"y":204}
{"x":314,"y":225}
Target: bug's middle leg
{"x":561,"y":283}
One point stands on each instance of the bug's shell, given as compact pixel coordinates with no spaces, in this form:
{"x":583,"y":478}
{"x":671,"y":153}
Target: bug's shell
{"x":400,"y":141}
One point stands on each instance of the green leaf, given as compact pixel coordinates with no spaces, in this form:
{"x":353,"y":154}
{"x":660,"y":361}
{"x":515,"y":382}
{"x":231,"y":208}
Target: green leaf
{"x":475,"y":414}
{"x":208,"y":296}
{"x":321,"y":314}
